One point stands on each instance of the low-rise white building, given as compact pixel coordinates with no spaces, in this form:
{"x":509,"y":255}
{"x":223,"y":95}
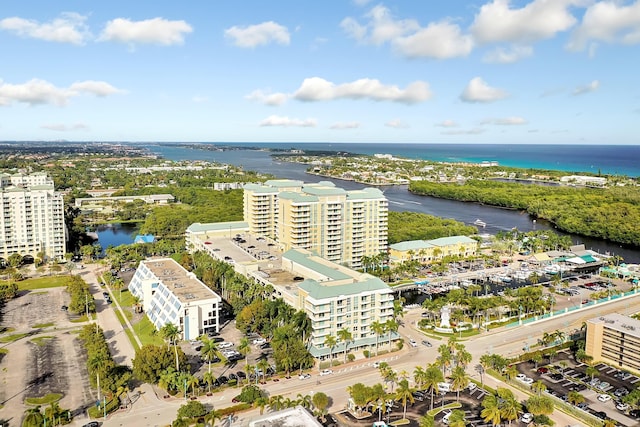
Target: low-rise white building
{"x":171,"y":294}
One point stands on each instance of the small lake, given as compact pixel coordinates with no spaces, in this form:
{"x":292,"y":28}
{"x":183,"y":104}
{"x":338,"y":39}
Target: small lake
{"x":116,"y":234}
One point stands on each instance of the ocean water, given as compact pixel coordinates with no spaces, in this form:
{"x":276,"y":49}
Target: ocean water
{"x":604,"y":159}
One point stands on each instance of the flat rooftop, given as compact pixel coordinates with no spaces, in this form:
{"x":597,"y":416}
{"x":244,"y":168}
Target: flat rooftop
{"x":184,"y":285}
{"x":291,"y":417}
{"x":620,"y":323}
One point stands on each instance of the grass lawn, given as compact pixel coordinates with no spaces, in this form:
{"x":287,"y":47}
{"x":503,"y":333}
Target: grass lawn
{"x":127,"y":331}
{"x":41,"y":340}
{"x":146,"y":332}
{"x":45,"y":400}
{"x":11,"y":338}
{"x":126,"y":300}
{"x":42,"y":283}
{"x":43,"y":325}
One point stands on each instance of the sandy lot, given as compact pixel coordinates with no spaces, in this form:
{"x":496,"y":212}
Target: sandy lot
{"x":48,"y":360}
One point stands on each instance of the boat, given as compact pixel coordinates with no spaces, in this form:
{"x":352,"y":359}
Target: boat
{"x":480,"y":223}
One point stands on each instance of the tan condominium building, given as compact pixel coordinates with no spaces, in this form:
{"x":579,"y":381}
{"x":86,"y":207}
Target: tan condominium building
{"x":171,"y":294}
{"x":32,"y":220}
{"x":337,"y":298}
{"x":614,"y":339}
{"x":339,"y":225}
{"x":427,"y":251}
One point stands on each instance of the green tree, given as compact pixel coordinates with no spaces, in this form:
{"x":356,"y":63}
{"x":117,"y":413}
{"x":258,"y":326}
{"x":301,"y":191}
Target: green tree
{"x":320,"y":402}
{"x":171,"y":333}
{"x":346,"y":337}
{"x":33,"y":418}
{"x":433,"y":376}
{"x":151,"y":361}
{"x":192,"y":409}
{"x":378,"y":329}
{"x":457,"y":418}
{"x":491,"y":412}
{"x":330,"y":341}
{"x":404,"y":393}
{"x":208,"y":351}
{"x":459,"y":380}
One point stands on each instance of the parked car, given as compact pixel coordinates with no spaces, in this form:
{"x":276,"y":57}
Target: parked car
{"x":225,"y":344}
{"x":259,"y":341}
{"x":526,"y":418}
{"x":604,"y":398}
{"x":635,"y":413}
{"x":304,"y":376}
{"x":603,"y":386}
{"x":64,"y":308}
{"x":621,"y":406}
{"x":600,"y":414}
{"x":542,"y":370}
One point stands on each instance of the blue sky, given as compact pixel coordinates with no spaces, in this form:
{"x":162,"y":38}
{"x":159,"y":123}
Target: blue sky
{"x":493,"y":71}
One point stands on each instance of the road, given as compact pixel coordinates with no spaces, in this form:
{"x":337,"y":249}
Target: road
{"x":152,"y":411}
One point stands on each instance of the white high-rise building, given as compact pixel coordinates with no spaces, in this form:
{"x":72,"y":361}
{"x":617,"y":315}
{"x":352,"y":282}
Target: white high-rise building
{"x":339,"y":225}
{"x":32,"y":219}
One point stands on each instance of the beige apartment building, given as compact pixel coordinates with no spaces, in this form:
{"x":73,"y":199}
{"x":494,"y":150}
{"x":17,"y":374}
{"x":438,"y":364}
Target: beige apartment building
{"x":339,"y":225}
{"x":614,"y":339}
{"x":32,"y":219}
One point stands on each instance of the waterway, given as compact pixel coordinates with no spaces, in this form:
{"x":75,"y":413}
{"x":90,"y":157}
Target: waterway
{"x":116,"y":234}
{"x":400,"y":199}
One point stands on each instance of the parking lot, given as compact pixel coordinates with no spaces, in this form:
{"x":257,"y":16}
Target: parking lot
{"x":48,"y":359}
{"x":601,"y":391}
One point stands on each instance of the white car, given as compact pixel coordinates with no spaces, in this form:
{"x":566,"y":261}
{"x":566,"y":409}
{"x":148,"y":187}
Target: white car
{"x":225,"y":344}
{"x":376,"y":365}
{"x":621,"y":406}
{"x":259,"y":341}
{"x":604,"y":398}
{"x":472,"y":386}
{"x":521,"y":377}
{"x":528,"y":381}
{"x":526,"y":418}
{"x":326,"y":372}
{"x":304,"y":376}
{"x":413,"y":343}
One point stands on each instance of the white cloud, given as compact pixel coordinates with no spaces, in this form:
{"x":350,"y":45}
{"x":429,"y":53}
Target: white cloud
{"x":501,"y":55}
{"x":508,"y":121}
{"x":68,"y":28}
{"x":397,"y":124}
{"x":447,"y":124}
{"x":479,"y":91}
{"x":608,"y":21}
{"x":199,"y":99}
{"x":150,"y":31}
{"x":319,"y":89}
{"x":95,"y":87}
{"x":591,"y":87}
{"x":287,"y":122}
{"x":437,"y":40}
{"x":345,"y":125}
{"x":361,"y":2}
{"x":267,"y":98}
{"x":538,"y":20}
{"x":40,"y":92}
{"x":474,"y":131}
{"x":59,"y":127}
{"x":257,"y":35}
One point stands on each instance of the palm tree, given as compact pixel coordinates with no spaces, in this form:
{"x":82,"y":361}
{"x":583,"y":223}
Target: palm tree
{"x":320,"y":402}
{"x":609,"y":423}
{"x":263,"y":365}
{"x":346,"y":337}
{"x":459,"y":380}
{"x":536,"y":357}
{"x":433,"y":376}
{"x":591,"y":371}
{"x":391,"y":326}
{"x":511,"y":372}
{"x":575,"y":397}
{"x":304,"y":400}
{"x":330,"y":341}
{"x":33,"y":418}
{"x":404,"y":393}
{"x":509,"y":405}
{"x":457,"y":418}
{"x":378,"y":329}
{"x":261,"y":402}
{"x":209,"y":379}
{"x":419,"y":376}
{"x":427,"y":421}
{"x":209,"y":350}
{"x":171,"y":333}
{"x":540,"y":405}
{"x":193,"y":382}
{"x":244,"y":348}
{"x":445,"y":357}
{"x":211,"y":417}
{"x":491,"y":410}
{"x":538,"y":387}
{"x":99,"y":363}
